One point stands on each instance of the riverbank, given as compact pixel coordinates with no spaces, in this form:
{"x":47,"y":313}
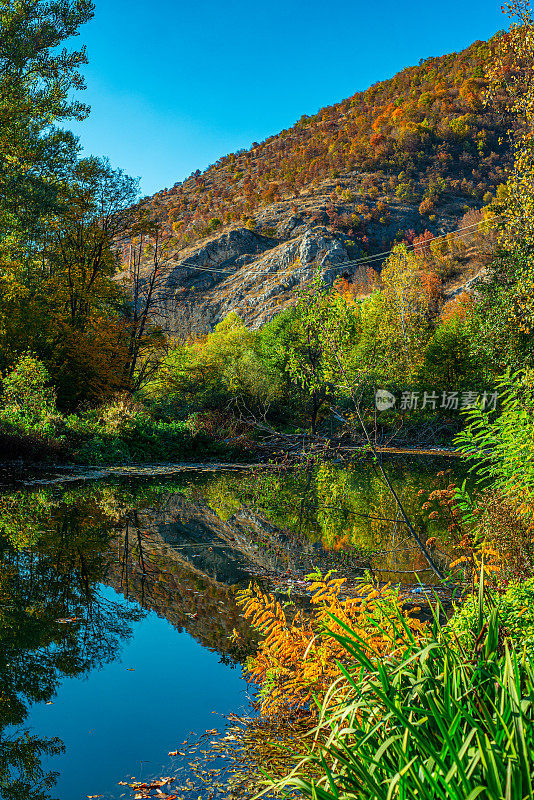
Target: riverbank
{"x":175,"y":443}
{"x":78,"y":441}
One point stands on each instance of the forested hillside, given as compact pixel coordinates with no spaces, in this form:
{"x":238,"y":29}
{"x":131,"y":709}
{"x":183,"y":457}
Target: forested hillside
{"x":414,"y":155}
{"x":421,"y":137}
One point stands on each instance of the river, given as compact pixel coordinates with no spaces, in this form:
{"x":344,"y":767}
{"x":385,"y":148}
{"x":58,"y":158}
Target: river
{"x":119,"y":627}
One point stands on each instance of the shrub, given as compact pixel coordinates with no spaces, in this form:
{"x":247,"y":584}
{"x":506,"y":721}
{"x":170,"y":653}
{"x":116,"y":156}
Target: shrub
{"x":433,"y":721}
{"x":426,"y":207}
{"x":515,"y":611}
{"x":506,"y":528}
{"x":298,"y":658}
{"x":406,"y":192}
{"x":502,"y":449}
{"x":122,"y":414}
{"x":27,"y":399}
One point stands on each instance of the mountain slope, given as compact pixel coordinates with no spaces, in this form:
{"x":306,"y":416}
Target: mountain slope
{"x":412,"y":153}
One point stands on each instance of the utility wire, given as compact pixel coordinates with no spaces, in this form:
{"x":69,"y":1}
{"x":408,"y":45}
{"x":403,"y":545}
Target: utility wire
{"x":369,"y":259}
{"x":420,"y":245}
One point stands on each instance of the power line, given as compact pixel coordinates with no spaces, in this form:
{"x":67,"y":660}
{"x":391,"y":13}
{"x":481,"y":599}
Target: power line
{"x":369,"y":259}
{"x":452,"y":234}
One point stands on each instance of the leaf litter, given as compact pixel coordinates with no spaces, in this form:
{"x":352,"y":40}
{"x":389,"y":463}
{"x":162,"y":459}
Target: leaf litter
{"x":214,"y":765}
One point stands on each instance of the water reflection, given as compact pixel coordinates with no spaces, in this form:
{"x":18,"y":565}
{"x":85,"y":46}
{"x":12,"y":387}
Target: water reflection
{"x":345,"y":510}
{"x":181,"y":547}
{"x":53,"y":622}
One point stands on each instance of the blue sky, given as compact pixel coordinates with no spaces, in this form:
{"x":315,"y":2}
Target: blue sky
{"x":173,"y":85}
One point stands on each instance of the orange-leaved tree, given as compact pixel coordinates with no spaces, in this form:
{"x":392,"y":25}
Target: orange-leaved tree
{"x":299,"y":656}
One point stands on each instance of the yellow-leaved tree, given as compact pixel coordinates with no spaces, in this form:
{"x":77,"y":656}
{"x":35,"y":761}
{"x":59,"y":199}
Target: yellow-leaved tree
{"x":397,"y":320}
{"x":299,"y":656}
{"x":511,"y":76}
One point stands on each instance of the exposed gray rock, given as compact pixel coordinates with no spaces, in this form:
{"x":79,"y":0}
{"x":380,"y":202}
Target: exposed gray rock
{"x":252,"y":275}
{"x":219,"y":253}
{"x":257,"y":272}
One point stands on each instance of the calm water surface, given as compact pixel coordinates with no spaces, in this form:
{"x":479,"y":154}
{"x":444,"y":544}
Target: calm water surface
{"x":118,"y":607}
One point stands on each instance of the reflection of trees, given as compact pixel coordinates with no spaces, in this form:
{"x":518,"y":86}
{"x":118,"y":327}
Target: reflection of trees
{"x":24,"y":753}
{"x":54,"y":552}
{"x":160,"y":578}
{"x":348,"y":508}
{"x":53,"y":623}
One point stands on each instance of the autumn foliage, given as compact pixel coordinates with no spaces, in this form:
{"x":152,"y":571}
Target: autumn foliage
{"x":299,"y":656}
{"x":417,"y":137}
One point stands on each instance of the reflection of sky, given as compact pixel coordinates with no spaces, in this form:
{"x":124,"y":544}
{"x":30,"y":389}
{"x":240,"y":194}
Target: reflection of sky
{"x":117,"y":723}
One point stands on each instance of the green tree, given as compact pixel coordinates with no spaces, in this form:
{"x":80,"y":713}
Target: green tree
{"x":501,"y":325}
{"x":511,"y":75}
{"x":503,"y":320}
{"x":26,"y":396}
{"x":448,"y":361}
{"x":228,"y":365}
{"x":36,"y":80}
{"x":86,"y":308}
{"x":398,"y":320}
{"x":71,"y":310}
{"x":320,"y":355}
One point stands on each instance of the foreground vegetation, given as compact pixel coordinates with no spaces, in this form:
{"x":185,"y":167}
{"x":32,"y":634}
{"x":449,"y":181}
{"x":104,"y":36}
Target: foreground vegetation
{"x":386,"y":703}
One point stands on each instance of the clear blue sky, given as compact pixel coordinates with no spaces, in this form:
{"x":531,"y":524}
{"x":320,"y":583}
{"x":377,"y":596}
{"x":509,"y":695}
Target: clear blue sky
{"x":175,"y":85}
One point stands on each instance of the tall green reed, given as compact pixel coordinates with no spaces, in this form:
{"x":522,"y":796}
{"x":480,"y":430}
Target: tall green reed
{"x":437,"y":721}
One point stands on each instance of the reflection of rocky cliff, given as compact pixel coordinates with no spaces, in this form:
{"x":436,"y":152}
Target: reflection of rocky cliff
{"x":181,"y":560}
{"x":227,"y":550}
{"x":184,"y":562}
{"x":158,"y":578}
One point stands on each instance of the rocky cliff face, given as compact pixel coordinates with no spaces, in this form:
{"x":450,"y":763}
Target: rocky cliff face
{"x":244,"y":272}
{"x":257,"y":270}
